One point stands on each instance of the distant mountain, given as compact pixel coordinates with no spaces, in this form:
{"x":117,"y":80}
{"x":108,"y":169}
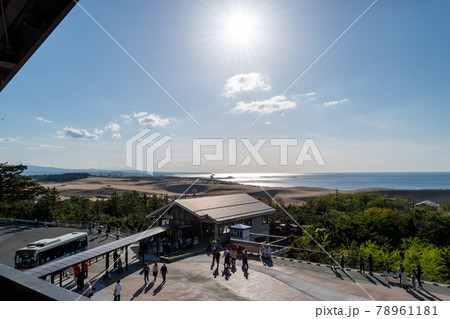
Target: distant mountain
{"x":42,"y":170}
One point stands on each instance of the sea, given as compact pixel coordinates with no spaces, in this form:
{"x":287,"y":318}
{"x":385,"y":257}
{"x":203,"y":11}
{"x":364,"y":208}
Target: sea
{"x":340,"y":181}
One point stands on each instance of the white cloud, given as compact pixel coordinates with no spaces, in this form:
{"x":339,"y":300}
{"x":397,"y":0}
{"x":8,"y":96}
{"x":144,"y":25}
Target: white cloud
{"x":46,"y":147}
{"x":334,"y":102}
{"x":274,"y":104}
{"x":114,"y":127}
{"x":98,"y":131}
{"x":9,"y":139}
{"x":245,"y":82}
{"x":268,"y":122}
{"x":80,"y":133}
{"x":308,"y":94}
{"x":140,"y":114}
{"x":126,"y":118}
{"x":153,"y":120}
{"x":41,"y":119}
{"x":116,"y":136}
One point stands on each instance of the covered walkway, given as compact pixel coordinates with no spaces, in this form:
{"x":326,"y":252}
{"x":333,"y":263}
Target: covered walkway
{"x":59,"y":266}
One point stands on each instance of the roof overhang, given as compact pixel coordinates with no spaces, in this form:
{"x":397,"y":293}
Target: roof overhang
{"x":28,"y":24}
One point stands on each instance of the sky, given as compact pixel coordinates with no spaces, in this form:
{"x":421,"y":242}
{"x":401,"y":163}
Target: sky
{"x":372,"y":97}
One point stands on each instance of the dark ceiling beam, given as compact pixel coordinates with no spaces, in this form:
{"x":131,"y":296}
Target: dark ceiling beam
{"x":30,"y":23}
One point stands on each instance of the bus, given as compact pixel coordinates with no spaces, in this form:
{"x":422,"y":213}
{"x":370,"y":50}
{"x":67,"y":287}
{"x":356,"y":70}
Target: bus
{"x":46,"y":250}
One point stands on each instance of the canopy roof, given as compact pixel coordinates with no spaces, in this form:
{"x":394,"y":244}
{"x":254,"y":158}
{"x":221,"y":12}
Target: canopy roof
{"x":64,"y":263}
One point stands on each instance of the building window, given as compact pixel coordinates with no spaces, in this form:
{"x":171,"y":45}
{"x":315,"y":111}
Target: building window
{"x":265,"y":219}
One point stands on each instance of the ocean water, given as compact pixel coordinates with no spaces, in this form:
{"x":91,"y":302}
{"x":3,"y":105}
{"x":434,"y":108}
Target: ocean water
{"x":341,"y":181}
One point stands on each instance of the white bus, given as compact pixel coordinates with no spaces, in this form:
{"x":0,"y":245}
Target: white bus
{"x":46,"y":250}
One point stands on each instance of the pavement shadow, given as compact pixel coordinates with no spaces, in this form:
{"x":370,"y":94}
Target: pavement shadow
{"x":225,"y":273}
{"x":415,"y":295}
{"x":337,"y":274}
{"x":150,"y":286}
{"x":245,"y":270}
{"x":369,"y":279}
{"x":158,"y":289}
{"x":138,"y":292}
{"x":430,"y":297}
{"x":382,"y":282}
{"x":216,"y":272}
{"x":267,"y":262}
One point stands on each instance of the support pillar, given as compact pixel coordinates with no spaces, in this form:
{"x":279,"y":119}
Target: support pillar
{"x":60,"y":278}
{"x":126,"y":257}
{"x":52,"y":278}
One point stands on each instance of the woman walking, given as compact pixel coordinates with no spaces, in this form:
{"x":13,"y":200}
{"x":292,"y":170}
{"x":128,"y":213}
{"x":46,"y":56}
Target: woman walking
{"x":155,"y":271}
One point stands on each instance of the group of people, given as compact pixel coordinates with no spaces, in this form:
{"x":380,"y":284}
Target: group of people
{"x":146,"y":269}
{"x":402,"y":274}
{"x":229,"y":256}
{"x":97,"y":228}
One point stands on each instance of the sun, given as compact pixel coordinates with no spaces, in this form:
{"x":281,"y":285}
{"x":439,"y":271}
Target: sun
{"x":240,"y":27}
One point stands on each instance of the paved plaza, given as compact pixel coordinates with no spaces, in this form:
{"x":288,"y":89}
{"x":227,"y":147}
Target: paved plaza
{"x":195,"y":278}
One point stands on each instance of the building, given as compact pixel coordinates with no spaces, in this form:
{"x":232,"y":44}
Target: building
{"x":199,"y":219}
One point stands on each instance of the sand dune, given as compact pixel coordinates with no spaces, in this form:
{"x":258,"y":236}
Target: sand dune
{"x":102,"y":187}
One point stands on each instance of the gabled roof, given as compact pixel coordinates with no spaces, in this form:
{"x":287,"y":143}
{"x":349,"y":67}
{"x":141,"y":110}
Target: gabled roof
{"x":221,"y":208}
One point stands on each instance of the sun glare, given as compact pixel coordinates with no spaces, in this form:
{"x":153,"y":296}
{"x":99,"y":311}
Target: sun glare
{"x":240,"y":27}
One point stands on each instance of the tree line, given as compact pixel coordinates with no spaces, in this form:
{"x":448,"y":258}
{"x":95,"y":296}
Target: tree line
{"x":389,"y":228}
{"x":23,"y":197}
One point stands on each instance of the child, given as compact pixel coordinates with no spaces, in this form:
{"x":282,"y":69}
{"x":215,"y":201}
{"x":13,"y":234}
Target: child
{"x":413,"y":279}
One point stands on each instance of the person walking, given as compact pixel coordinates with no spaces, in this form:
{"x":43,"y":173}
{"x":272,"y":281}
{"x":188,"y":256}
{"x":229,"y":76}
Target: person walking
{"x":80,"y":280}
{"x":233,"y":257}
{"x":120,"y":266}
{"x":225,"y":254}
{"x":117,"y":290}
{"x":117,"y":233}
{"x":399,"y":273}
{"x":413,"y":279}
{"x":146,"y":273}
{"x":88,"y":291}
{"x":418,"y":275}
{"x":370,"y":260}
{"x":342,"y":260}
{"x":361,"y":265}
{"x":332,"y":266}
{"x":244,"y":259}
{"x":108,"y":230}
{"x":155,"y":271}
{"x":164,"y":272}
{"x":213,"y":256}
{"x":404,"y":276}
{"x":217,"y":257}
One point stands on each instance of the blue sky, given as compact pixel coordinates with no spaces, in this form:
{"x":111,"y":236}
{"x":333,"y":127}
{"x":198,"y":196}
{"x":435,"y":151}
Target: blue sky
{"x":378,"y":100}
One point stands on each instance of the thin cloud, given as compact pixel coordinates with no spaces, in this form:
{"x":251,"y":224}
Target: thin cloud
{"x":41,"y":119}
{"x":46,"y":147}
{"x":268,"y":122}
{"x":308,"y":94}
{"x":79,"y":133}
{"x":274,"y":104}
{"x":116,"y":136}
{"x":245,"y":82}
{"x":9,"y":139}
{"x":332,"y":103}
